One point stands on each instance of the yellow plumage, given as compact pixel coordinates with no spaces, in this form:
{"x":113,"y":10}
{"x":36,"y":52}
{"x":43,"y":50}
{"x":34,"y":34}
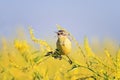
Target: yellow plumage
{"x":64,"y":45}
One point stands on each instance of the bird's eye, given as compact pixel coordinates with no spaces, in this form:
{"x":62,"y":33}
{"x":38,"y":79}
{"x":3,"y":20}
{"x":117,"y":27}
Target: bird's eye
{"x":58,"y":33}
{"x":61,"y":33}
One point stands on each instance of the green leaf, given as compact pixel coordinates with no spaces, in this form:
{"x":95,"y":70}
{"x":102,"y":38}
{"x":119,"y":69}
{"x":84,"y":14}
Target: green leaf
{"x":37,"y":59}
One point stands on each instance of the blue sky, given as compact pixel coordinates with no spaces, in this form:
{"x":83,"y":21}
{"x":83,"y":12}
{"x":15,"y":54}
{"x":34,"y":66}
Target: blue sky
{"x":93,"y":18}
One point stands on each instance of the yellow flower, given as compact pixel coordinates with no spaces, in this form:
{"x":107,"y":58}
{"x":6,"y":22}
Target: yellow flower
{"x":4,"y":43}
{"x":22,"y":46}
{"x":87,"y":48}
{"x":107,"y":53}
{"x":41,"y":42}
{"x":59,"y":27}
{"x":58,"y":76}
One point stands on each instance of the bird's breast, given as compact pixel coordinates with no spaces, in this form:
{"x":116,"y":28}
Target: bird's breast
{"x":64,"y":45}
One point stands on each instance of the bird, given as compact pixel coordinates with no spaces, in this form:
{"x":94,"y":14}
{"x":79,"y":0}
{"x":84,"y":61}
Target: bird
{"x":63,"y":44}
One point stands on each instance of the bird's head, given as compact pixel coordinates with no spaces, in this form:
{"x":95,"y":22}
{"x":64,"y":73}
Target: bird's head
{"x":62,"y":33}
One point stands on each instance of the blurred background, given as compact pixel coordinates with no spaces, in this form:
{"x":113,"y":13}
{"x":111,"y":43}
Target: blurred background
{"x":96,"y":19}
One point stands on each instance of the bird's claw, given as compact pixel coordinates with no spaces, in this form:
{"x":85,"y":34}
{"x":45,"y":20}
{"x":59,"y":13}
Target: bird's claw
{"x":55,"y":54}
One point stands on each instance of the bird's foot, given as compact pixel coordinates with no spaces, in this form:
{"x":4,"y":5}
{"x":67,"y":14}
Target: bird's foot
{"x":56,"y":56}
